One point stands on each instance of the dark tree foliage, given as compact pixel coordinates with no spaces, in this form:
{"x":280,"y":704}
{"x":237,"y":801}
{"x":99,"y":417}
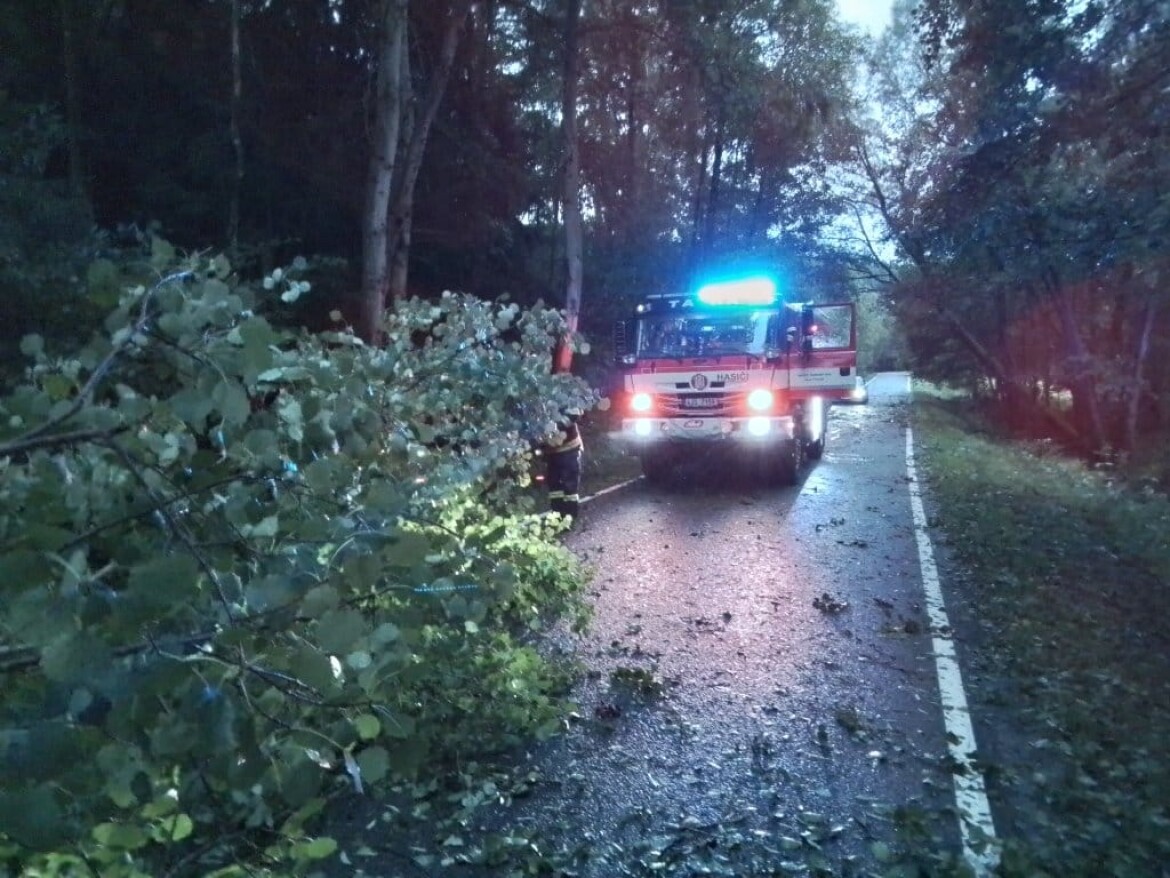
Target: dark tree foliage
{"x":1030,"y":199}
{"x":698,"y":126}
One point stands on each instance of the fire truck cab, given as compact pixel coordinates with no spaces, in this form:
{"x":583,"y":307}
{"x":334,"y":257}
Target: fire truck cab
{"x":732,"y":366}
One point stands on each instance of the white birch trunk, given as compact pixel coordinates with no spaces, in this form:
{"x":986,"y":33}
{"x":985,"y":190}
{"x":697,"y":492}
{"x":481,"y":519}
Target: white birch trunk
{"x":574,"y":226}
{"x":380,"y":174}
{"x":398,"y":242}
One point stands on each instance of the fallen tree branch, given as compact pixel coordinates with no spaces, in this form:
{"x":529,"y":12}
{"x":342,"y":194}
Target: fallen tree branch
{"x":29,"y":440}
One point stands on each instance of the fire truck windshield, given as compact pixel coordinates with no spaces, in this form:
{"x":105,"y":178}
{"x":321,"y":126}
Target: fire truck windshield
{"x":705,"y":334}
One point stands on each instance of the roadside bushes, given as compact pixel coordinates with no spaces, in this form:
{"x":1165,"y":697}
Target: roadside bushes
{"x":244,"y":568}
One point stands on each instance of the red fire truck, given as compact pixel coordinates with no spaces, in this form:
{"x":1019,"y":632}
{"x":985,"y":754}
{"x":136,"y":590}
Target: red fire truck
{"x":736,"y":366}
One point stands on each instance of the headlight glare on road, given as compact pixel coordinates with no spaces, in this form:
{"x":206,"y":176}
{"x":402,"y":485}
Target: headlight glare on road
{"x":759,"y":426}
{"x":816,"y":418}
{"x":760,"y":399}
{"x":641,"y":402}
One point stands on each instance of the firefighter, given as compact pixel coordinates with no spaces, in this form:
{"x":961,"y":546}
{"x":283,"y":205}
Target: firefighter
{"x":563,"y":468}
{"x":564,"y":471}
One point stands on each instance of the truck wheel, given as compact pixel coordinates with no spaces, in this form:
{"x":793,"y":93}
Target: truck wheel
{"x":782,"y":468}
{"x":815,"y":450}
{"x":657,"y":467}
{"x":790,"y":463}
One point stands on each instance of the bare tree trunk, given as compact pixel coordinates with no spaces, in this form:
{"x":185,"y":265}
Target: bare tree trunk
{"x":699,"y":143}
{"x":1139,"y":375}
{"x":757,"y":227}
{"x":1086,"y":406}
{"x":710,"y":222}
{"x":696,"y":254}
{"x":380,"y":174}
{"x":398,"y":244}
{"x":233,"y":231}
{"x":574,"y":225}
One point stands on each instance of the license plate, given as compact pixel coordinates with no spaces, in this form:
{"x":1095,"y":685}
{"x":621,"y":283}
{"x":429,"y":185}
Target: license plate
{"x":700,"y":402}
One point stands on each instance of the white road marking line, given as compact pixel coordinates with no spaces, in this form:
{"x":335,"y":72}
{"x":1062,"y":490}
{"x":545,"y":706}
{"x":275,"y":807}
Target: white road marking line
{"x":609,"y":490}
{"x":975,"y":822}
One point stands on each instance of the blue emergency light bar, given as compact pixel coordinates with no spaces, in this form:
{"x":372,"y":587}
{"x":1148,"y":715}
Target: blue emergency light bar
{"x":757,"y":290}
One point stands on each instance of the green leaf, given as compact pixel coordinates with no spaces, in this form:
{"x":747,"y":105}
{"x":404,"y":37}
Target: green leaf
{"x":57,"y":387}
{"x":162,"y":254}
{"x":291,"y":415}
{"x":368,"y":726}
{"x":301,"y":782}
{"x":79,"y":700}
{"x":268,"y":526}
{"x":339,"y":631}
{"x":32,"y":345}
{"x":164,"y":581}
{"x":401,"y":727}
{"x":120,"y":836}
{"x":37,"y":535}
{"x":231,"y":402}
{"x":20,"y":569}
{"x":282,"y":374}
{"x":265,"y":444}
{"x":359,"y":660}
{"x":179,"y":827}
{"x":374,"y":763}
{"x":319,"y":601}
{"x":258,"y":354}
{"x":385,"y":634}
{"x":312,"y":668}
{"x":193,"y":407}
{"x":215,"y":292}
{"x":162,"y":806}
{"x":104,"y":282}
{"x":33,"y":818}
{"x":74,"y":657}
{"x":317,"y":849}
{"x":269,"y":592}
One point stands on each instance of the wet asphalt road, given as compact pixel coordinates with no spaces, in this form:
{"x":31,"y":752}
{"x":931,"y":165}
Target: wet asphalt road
{"x":761,"y":692}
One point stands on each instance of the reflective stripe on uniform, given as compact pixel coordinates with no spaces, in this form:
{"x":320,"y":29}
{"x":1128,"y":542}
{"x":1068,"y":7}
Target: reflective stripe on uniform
{"x":561,"y":495}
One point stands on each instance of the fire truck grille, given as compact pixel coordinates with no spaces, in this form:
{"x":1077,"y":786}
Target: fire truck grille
{"x":702,"y":405}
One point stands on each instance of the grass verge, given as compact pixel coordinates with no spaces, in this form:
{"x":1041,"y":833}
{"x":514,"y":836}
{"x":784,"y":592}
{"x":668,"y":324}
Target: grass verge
{"x":1068,"y":577}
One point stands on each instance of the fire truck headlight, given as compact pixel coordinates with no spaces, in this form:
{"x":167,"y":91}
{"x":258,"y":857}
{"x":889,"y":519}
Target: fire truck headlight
{"x":642,"y":427}
{"x":641,"y":402}
{"x":760,"y":400}
{"x":759,"y":426}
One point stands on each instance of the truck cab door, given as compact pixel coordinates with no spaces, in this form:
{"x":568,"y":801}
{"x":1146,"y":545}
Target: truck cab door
{"x":825,"y":362}
{"x":830,"y":327}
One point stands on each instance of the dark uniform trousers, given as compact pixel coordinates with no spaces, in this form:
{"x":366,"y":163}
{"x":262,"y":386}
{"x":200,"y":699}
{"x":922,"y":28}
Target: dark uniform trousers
{"x":564,"y":472}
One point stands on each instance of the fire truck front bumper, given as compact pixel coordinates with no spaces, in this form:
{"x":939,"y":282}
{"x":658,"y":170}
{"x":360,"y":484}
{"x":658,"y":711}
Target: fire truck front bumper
{"x":761,"y":430}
